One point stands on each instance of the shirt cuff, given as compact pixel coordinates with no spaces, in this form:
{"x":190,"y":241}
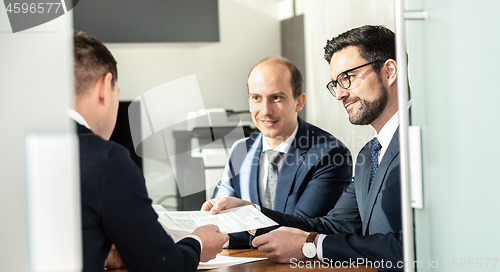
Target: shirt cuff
{"x":319,"y":246}
{"x":196,"y":238}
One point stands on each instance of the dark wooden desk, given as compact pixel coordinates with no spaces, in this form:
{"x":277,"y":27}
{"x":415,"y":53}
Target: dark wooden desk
{"x":267,"y":265}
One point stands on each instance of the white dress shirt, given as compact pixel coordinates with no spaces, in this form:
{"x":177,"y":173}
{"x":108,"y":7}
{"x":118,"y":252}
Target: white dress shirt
{"x":385,"y":135}
{"x":73,"y":114}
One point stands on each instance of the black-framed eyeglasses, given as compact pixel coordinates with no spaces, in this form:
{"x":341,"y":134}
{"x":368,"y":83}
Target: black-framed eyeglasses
{"x":343,"y":79}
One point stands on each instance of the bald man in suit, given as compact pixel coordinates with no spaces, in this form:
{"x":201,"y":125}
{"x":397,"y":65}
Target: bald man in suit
{"x":312,"y":168}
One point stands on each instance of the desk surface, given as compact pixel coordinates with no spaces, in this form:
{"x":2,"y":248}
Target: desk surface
{"x":268,"y":265}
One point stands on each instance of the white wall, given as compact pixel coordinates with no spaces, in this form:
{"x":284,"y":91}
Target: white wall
{"x":249,"y":31}
{"x":323,"y":20}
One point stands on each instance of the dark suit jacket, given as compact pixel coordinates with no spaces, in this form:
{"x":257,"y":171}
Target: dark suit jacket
{"x":316,"y":170}
{"x":116,"y":210}
{"x":363,"y":224}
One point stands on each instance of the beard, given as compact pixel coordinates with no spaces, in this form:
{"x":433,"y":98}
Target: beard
{"x":369,"y":111}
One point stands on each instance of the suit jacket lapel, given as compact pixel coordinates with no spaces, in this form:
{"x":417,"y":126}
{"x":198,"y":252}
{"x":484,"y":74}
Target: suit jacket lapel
{"x":292,"y":161}
{"x":249,"y":174}
{"x":391,"y":152}
{"x":362,"y":178}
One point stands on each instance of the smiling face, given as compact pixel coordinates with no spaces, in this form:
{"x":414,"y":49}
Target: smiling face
{"x":366,"y":99}
{"x":273,"y":107}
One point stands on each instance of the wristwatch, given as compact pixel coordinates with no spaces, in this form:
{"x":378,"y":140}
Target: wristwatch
{"x":309,"y":248}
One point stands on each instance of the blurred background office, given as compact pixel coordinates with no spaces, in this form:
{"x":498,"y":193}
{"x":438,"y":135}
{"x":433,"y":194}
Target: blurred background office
{"x":246,"y":32}
{"x":452,"y":71}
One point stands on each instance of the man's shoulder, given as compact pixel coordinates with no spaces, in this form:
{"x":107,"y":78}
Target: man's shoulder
{"x":315,"y":136}
{"x":317,"y":131}
{"x":95,"y":147}
{"x":106,"y":163}
{"x":248,"y":141}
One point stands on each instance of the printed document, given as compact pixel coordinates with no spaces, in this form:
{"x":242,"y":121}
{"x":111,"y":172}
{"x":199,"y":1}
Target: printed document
{"x":229,"y":221}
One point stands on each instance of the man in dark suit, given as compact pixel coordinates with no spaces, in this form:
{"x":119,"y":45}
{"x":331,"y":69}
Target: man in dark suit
{"x":313,"y":167}
{"x":366,"y":221}
{"x":115,"y":205}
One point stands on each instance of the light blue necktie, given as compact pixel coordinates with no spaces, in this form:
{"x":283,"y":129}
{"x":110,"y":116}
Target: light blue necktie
{"x":272,"y":177}
{"x":375,"y":149}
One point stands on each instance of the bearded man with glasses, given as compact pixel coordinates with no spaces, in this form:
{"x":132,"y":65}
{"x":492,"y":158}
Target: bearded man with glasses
{"x":370,"y":110}
{"x":365,"y":224}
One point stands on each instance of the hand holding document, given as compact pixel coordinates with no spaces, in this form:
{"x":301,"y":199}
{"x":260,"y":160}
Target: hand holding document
{"x":180,"y":224}
{"x":229,"y":221}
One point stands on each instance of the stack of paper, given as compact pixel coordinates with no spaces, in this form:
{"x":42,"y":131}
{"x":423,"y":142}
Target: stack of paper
{"x":223,"y":261}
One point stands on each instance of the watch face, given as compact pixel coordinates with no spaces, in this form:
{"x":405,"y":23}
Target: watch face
{"x":309,"y":250}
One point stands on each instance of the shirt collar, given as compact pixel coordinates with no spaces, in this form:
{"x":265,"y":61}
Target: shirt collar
{"x":387,"y":132}
{"x":385,"y":135}
{"x":73,"y":114}
{"x":284,"y":146}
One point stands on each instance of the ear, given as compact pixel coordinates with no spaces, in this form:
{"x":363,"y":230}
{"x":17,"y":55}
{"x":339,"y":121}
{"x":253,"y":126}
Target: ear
{"x":105,"y":88}
{"x":301,"y":100}
{"x":390,"y":71}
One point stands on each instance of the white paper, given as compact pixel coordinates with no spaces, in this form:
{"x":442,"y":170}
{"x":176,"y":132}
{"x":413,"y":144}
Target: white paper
{"x":223,"y":261}
{"x":158,"y":208}
{"x":229,"y":221}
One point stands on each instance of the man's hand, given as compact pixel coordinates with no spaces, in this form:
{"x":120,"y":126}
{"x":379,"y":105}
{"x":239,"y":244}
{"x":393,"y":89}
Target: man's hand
{"x":114,"y":260}
{"x":282,"y":244}
{"x":216,"y":205}
{"x":212,"y":241}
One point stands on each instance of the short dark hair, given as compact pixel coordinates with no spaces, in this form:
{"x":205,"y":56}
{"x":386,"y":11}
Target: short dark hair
{"x":374,"y":42}
{"x":296,"y":76}
{"x":92,"y":60}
